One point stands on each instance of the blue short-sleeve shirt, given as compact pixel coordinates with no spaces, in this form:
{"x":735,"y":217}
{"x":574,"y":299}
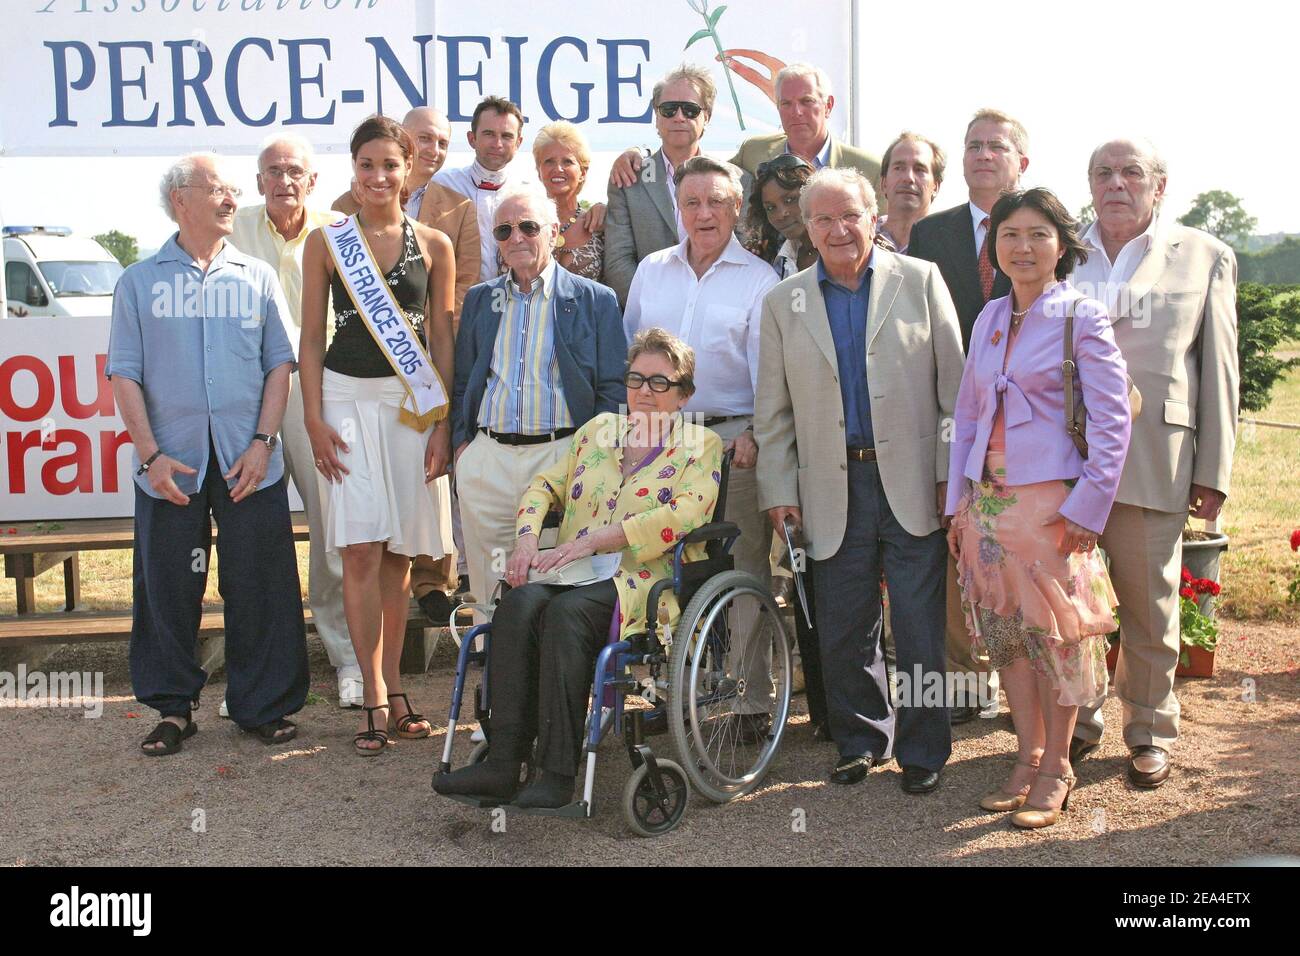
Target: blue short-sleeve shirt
{"x":200,"y":345}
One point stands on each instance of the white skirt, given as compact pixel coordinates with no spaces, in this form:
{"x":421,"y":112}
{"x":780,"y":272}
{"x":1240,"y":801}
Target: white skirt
{"x":384,"y":496}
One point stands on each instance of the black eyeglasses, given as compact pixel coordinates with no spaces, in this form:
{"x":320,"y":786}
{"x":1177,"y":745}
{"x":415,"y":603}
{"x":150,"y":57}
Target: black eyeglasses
{"x":689,"y":110}
{"x":786,"y":162}
{"x":657,"y":383}
{"x":527,"y":226}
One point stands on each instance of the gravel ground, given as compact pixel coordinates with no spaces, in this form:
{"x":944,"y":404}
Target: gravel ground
{"x":78,"y":792}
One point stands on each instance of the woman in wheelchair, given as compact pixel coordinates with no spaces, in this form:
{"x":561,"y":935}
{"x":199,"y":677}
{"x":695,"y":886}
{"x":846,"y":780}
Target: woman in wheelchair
{"x":633,"y":484}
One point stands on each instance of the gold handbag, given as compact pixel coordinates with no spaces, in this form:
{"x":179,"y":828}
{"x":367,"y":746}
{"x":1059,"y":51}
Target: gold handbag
{"x":1076,"y":415}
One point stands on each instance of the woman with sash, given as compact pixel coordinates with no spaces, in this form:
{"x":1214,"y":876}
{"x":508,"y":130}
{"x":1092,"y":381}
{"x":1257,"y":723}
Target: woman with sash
{"x":376,"y":407}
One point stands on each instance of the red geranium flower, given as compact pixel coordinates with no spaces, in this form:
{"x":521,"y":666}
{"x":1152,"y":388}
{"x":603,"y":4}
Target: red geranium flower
{"x":1187,"y":593}
{"x":1187,"y":576}
{"x":1295,"y":540}
{"x":1214,"y":588}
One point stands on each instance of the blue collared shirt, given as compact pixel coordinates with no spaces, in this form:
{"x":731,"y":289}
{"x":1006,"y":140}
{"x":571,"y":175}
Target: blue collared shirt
{"x":821,"y":159}
{"x":200,"y":345}
{"x":847,"y":311}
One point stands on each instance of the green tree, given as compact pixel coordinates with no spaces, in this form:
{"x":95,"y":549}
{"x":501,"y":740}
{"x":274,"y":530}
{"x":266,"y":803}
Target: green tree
{"x":1087,"y":216}
{"x":1220,"y":214}
{"x":1267,"y":315}
{"x":123,"y":247}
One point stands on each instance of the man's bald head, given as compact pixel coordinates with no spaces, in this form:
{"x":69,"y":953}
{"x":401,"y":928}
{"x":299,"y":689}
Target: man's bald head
{"x":432,"y":134}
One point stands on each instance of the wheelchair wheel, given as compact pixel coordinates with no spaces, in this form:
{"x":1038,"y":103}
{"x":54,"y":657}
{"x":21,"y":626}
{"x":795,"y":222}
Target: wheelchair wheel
{"x":646,"y":814}
{"x":729,"y":690}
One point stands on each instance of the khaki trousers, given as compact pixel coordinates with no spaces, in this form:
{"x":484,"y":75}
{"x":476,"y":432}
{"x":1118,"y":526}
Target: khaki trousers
{"x":1145,"y":549}
{"x":490,"y":480}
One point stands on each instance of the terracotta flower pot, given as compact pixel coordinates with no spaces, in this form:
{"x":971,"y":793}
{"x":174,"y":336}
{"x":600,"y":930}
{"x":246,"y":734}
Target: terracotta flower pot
{"x":1195,"y":661}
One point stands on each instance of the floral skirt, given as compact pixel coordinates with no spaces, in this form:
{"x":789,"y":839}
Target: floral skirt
{"x":1022,"y":597}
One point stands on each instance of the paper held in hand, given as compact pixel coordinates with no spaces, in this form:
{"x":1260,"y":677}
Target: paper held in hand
{"x":588,"y":570}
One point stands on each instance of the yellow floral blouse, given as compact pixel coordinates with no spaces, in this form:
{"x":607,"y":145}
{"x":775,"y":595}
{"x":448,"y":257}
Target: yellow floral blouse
{"x":669,"y":496}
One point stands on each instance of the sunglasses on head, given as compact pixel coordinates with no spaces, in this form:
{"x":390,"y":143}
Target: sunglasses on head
{"x":785,"y":163}
{"x":529,"y":228}
{"x":689,"y":110}
{"x":657,"y":383}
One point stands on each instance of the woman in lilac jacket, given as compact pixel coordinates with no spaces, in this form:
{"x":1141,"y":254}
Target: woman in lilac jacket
{"x":1027,"y":507}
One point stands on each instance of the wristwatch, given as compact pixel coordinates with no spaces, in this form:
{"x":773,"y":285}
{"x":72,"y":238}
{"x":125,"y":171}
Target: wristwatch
{"x":268,"y":440}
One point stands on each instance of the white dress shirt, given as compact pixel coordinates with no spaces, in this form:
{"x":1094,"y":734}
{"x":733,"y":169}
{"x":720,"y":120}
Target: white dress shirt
{"x":718,"y":315}
{"x":466,"y":182}
{"x":1101,"y":279}
{"x":671,"y":171}
{"x":978,"y":216}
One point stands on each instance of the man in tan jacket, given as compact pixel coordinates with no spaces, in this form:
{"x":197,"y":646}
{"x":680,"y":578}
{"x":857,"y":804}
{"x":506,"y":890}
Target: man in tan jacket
{"x":859,"y":363}
{"x":1171,"y":292}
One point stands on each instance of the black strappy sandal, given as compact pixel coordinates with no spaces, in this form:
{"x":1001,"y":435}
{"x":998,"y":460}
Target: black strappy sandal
{"x":270,"y":732}
{"x":403,"y":726}
{"x":170,"y":736}
{"x":371,"y":734}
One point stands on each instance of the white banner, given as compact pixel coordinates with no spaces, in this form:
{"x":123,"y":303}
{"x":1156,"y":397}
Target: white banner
{"x":163,"y":77}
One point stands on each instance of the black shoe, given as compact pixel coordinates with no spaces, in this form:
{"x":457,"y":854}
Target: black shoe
{"x":852,"y":769}
{"x":436,"y":607}
{"x":919,"y":780}
{"x":752,"y":728}
{"x":962,"y":715}
{"x":1080,"y":748}
{"x":493,"y":780}
{"x":549,"y":791}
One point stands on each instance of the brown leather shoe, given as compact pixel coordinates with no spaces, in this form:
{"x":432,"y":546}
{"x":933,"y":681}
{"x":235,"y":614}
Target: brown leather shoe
{"x":1149,"y":766}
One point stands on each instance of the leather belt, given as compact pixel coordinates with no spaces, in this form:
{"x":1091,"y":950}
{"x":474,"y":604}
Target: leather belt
{"x":508,"y":438}
{"x":719,"y":419}
{"x":861,"y":454}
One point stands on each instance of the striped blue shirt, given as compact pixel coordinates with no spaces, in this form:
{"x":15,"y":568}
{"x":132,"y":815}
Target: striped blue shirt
{"x":524,"y":394}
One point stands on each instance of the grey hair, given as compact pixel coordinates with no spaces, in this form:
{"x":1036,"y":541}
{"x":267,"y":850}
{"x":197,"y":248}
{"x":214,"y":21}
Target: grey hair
{"x":535,"y":196}
{"x":703,"y":164}
{"x":792,"y":70}
{"x":697,"y":76}
{"x":179,"y":175}
{"x":845,"y":178}
{"x":299,"y":143}
{"x":1141,"y":144}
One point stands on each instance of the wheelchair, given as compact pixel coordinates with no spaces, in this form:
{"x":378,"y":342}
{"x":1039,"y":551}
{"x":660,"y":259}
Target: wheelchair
{"x":698,"y":674}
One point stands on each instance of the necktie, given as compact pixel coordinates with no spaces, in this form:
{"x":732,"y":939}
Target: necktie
{"x":984,"y":264}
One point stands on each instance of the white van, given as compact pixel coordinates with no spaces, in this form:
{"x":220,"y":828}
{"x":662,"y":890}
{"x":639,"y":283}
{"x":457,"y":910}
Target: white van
{"x":50,"y":272}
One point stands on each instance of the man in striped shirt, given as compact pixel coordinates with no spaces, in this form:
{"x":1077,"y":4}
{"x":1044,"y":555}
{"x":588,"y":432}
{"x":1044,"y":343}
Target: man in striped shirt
{"x":540,"y":351}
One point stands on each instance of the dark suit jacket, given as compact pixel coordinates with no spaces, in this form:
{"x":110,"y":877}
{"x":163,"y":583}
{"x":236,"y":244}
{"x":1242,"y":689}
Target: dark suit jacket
{"x":590,"y":347}
{"x":947,"y":239}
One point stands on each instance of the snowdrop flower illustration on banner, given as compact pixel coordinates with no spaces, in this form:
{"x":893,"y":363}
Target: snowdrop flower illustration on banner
{"x":711,"y":30}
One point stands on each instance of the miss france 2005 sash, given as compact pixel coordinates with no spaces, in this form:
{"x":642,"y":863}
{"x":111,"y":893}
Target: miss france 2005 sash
{"x":387,"y":325}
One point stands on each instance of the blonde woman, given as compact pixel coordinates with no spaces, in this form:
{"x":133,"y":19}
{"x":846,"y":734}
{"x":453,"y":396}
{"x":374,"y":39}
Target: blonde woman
{"x":563,"y":158}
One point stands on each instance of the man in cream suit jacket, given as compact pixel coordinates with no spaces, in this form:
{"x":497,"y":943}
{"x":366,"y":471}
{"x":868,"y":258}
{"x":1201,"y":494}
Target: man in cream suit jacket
{"x":859,"y":365}
{"x":1172,"y":293}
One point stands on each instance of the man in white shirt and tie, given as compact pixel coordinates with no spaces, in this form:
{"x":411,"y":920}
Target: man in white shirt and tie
{"x":495,"y":134}
{"x":708,"y":291}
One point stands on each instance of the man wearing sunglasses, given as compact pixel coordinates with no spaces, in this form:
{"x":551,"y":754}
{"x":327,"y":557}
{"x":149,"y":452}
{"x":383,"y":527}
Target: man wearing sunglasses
{"x":708,"y":291}
{"x":539,"y":352}
{"x":643,"y":216}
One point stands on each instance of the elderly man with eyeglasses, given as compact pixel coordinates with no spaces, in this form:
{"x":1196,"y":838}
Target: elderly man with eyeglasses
{"x":202,"y":385}
{"x":275,"y":232}
{"x":540,"y":351}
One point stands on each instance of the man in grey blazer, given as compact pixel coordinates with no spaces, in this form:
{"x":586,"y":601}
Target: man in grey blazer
{"x":1171,"y":292}
{"x":643,"y":216}
{"x":860,"y":359}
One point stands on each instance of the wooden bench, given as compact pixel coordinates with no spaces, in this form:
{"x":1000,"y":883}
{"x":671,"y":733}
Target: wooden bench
{"x":37,"y":547}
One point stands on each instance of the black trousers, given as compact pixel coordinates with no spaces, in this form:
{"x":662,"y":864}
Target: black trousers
{"x":545,"y":640}
{"x":257,"y":575}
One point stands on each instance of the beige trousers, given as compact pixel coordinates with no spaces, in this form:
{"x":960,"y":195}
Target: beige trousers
{"x":1145,"y":549}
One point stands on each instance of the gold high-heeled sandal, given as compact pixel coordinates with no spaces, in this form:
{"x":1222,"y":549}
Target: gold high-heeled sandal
{"x":1034,"y":818}
{"x":999,"y":801}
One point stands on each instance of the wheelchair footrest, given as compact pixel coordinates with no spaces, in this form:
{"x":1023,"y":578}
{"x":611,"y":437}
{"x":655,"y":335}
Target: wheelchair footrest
{"x":573,"y":811}
{"x":482,"y":803}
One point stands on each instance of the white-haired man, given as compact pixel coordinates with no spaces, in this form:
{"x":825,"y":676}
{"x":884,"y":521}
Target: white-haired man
{"x":859,"y":369}
{"x":200,"y":363}
{"x":1171,"y":293}
{"x":275,"y":231}
{"x":707,"y":290}
{"x":539,"y":352}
